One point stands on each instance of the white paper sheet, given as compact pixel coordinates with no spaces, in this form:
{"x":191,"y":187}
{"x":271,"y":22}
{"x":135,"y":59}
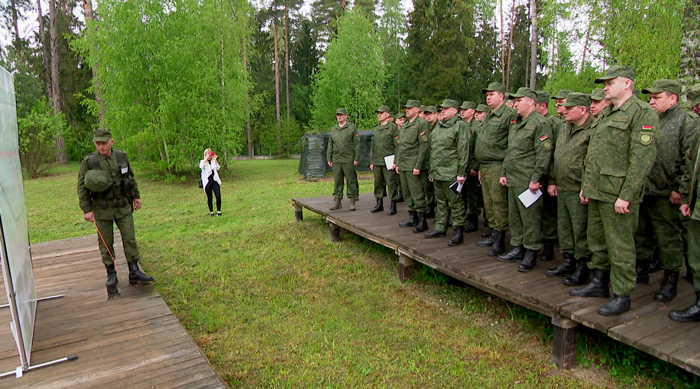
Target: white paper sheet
{"x":528,"y":198}
{"x":389,"y":160}
{"x":457,"y":187}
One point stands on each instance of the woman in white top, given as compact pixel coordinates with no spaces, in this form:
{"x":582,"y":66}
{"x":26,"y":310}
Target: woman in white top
{"x":211,"y":180}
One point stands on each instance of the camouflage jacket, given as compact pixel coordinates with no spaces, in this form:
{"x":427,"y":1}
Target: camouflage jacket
{"x":382,"y":143}
{"x":621,"y":152}
{"x":569,"y":154}
{"x":449,"y":149}
{"x":529,"y":150}
{"x":413,"y":145}
{"x":492,"y":142}
{"x":343,"y":144}
{"x":116,"y":202}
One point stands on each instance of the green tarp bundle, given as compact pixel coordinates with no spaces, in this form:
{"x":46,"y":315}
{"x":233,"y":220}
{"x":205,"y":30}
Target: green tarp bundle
{"x":313,"y":163}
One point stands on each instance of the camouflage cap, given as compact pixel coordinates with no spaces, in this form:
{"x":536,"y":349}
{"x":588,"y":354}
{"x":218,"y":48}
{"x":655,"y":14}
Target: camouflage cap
{"x":97,"y":181}
{"x":383,"y":108}
{"x":467,"y":105}
{"x":101,"y":135}
{"x":341,"y":111}
{"x":598,"y":94}
{"x":412,"y":104}
{"x":575,"y":98}
{"x":542,"y":97}
{"x":448,"y":103}
{"x":664,"y":85}
{"x":562,"y":94}
{"x":400,"y":115}
{"x":693,"y":95}
{"x":430,"y":109}
{"x":637,"y":93}
{"x":524,"y":92}
{"x":495,"y":86}
{"x":482,"y":108}
{"x":422,"y":108}
{"x":617,"y":71}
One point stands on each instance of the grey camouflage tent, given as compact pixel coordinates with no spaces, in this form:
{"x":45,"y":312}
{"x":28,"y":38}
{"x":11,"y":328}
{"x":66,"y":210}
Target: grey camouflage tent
{"x":313,"y":162}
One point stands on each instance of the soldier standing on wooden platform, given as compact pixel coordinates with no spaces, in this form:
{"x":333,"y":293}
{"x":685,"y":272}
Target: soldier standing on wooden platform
{"x":430,"y":114}
{"x":620,"y":155}
{"x":383,"y":146}
{"x":527,"y":161}
{"x":343,"y":155}
{"x":472,"y":188}
{"x":565,"y":185}
{"x":598,"y":102}
{"x":660,"y":222}
{"x":412,"y":150}
{"x":109,"y":195}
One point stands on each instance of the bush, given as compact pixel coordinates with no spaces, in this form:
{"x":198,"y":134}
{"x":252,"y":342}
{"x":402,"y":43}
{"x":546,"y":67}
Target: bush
{"x":37,"y":138}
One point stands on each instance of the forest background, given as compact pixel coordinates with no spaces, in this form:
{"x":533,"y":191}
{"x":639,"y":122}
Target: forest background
{"x":172,"y":77}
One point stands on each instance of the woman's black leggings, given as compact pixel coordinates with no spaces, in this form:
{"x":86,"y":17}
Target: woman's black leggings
{"x":213,"y":186}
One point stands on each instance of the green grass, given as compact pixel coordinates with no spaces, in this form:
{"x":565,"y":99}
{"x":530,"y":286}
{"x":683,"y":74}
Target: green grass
{"x":273,"y":303}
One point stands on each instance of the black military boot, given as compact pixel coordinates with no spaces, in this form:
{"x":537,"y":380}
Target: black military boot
{"x":400,"y":199}
{"x":136,"y":275}
{"x":567,"y":268}
{"x":692,"y":313}
{"x":598,"y":287}
{"x":458,"y":238}
{"x":669,"y":287}
{"x":617,"y":306}
{"x":379,"y":207}
{"x":642,"y":269}
{"x":473,"y":224}
{"x":392,"y":208}
{"x":412,"y":220}
{"x":547,"y":250}
{"x":435,"y":234}
{"x":488,"y":234}
{"x":499,"y":244}
{"x":112,"y":282}
{"x":528,"y":262}
{"x":430,"y":213}
{"x":422,"y":223}
{"x":515,"y":255}
{"x":581,"y":275}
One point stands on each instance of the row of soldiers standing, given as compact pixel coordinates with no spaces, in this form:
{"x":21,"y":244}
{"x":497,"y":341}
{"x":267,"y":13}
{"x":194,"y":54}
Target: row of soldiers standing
{"x":617,"y":175}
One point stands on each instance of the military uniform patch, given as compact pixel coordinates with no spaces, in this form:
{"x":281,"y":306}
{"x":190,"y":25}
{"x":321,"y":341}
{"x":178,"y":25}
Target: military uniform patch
{"x":425,"y":138}
{"x":645,"y":139}
{"x":547,"y":145}
{"x":648,"y":128}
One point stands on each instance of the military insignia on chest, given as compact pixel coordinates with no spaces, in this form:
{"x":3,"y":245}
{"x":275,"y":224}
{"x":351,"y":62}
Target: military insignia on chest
{"x":546,"y":143}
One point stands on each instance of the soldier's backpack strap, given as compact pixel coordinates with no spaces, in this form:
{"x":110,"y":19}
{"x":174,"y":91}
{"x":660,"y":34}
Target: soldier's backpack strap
{"x":92,"y":157}
{"x":121,"y":158}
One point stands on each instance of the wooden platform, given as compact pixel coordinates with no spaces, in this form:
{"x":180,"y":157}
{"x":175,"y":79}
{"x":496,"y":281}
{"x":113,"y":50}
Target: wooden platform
{"x":646,"y":327}
{"x":133,"y":341}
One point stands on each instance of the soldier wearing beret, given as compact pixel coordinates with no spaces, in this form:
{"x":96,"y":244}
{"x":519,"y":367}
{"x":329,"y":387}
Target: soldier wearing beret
{"x":565,"y":184}
{"x":490,"y":150}
{"x":472,"y":189}
{"x":109,"y":195}
{"x":620,"y":155}
{"x":598,"y":102}
{"x":343,"y":154}
{"x":383,"y":146}
{"x":413,"y":146}
{"x":526,"y":162}
{"x":660,"y":222}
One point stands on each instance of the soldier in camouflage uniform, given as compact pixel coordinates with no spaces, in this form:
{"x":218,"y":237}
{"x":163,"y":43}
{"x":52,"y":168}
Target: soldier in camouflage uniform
{"x":565,"y":185}
{"x":430,"y":114}
{"x":527,"y":161}
{"x":343,"y":154}
{"x":383,"y":146}
{"x":412,"y":148}
{"x":693,"y":96}
{"x":620,"y":155}
{"x":598,"y":102}
{"x":560,"y":99}
{"x":659,"y":218}
{"x":490,"y":150}
{"x":448,"y":164}
{"x":472,"y":189}
{"x":112,"y":204}
{"x":480,"y":114}
{"x":400,"y":120}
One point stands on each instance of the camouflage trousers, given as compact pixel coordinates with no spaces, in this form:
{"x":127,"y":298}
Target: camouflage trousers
{"x":128,"y":232}
{"x":525,"y":223}
{"x":549,"y":215}
{"x":342,"y":172}
{"x":470,"y":196}
{"x":495,"y":197}
{"x":448,"y":203}
{"x":413,"y":188}
{"x":388,"y":178}
{"x":429,"y":189}
{"x":693,"y":227}
{"x":660,"y":224}
{"x":611,"y":240}
{"x":572,"y":225}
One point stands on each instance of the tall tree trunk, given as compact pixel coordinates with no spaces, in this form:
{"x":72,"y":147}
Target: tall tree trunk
{"x":247,"y":101}
{"x":45,"y":51}
{"x":503,"y":46}
{"x":510,"y":44}
{"x":588,"y":36}
{"x":60,"y":143}
{"x":90,"y":16}
{"x":533,"y":44}
{"x":286,"y":54}
{"x":689,"y":73}
{"x":277,"y":91}
{"x":15,"y":26}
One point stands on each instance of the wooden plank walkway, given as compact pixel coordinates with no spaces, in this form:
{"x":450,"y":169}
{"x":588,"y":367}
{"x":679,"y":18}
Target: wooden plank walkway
{"x":646,"y":327}
{"x":133,"y":341}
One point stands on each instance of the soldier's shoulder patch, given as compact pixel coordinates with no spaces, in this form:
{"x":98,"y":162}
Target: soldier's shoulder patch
{"x":396,"y":137}
{"x":648,"y":128}
{"x":357,"y":135}
{"x":645,"y":139}
{"x":425,"y":138}
{"x":547,"y":144}
{"x":543,"y":138}
{"x":422,"y":133}
{"x":513,"y":121}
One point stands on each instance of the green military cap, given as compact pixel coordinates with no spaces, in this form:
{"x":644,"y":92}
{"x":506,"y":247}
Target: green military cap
{"x":598,"y":94}
{"x":400,"y":115}
{"x":542,"y":96}
{"x":97,"y":180}
{"x":101,"y":135}
{"x":383,"y":108}
{"x":430,"y":108}
{"x":575,"y":98}
{"x":637,"y":93}
{"x":448,"y":103}
{"x":467,"y":105}
{"x":664,"y":85}
{"x":618,"y":71}
{"x":412,"y":104}
{"x":422,"y":108}
{"x":561,"y":95}
{"x":507,"y":96}
{"x":524,"y":92}
{"x":341,"y":111}
{"x":482,"y":108}
{"x":495,"y":86}
{"x":693,"y":95}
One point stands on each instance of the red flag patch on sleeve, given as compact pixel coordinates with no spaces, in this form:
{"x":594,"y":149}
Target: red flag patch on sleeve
{"x":396,"y":137}
{"x":422,"y":133}
{"x":513,"y":121}
{"x":647,"y":128}
{"x":357,"y":134}
{"x":543,"y":138}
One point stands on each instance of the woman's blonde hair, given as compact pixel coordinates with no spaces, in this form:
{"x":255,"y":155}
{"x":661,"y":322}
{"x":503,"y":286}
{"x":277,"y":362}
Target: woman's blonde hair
{"x":206,"y":153}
